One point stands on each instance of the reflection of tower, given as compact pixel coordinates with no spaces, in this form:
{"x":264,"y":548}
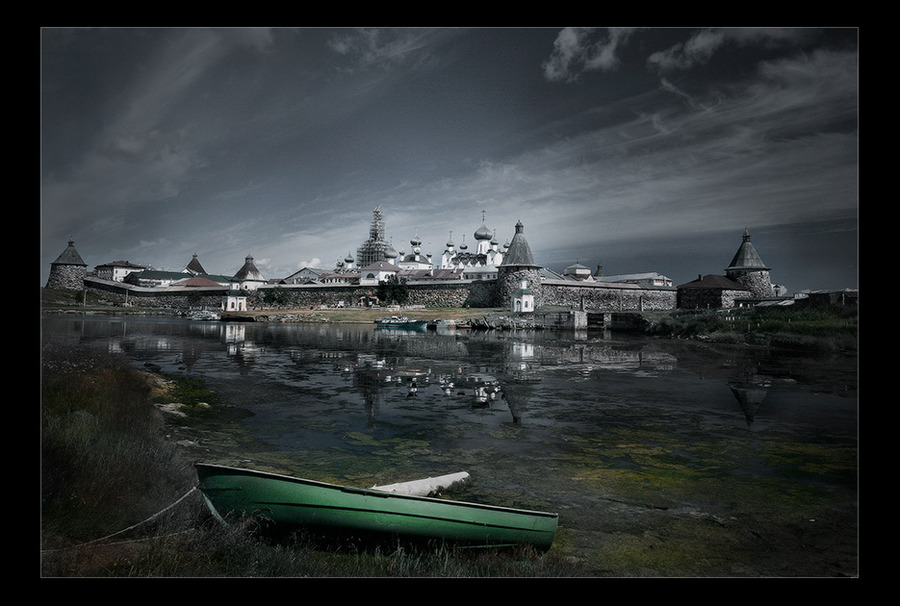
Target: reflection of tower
{"x":749,"y":389}
{"x":373,"y":249}
{"x":517,"y":378}
{"x":518,"y":266}
{"x":370,"y":378}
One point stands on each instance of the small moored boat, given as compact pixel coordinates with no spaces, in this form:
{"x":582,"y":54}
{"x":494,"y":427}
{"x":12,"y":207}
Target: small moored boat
{"x":401,"y":322}
{"x":291,"y":502}
{"x":203,"y":315}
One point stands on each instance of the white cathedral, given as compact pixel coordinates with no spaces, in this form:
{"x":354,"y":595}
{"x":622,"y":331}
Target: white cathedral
{"x":480,"y":264}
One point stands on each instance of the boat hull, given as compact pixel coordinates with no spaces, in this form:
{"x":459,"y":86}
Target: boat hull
{"x":404,"y":323}
{"x":290,"y":502}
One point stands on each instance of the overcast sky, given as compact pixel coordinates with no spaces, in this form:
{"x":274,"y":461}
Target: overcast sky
{"x":639,"y":149}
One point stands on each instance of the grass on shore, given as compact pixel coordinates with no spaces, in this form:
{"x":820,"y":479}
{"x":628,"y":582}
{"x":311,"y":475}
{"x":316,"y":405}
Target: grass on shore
{"x":361,"y":315}
{"x":118,"y":496}
{"x":815,"y":328}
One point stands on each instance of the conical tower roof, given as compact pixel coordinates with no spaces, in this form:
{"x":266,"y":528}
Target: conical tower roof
{"x":746,"y":256}
{"x":519,"y":252}
{"x":69,"y":256}
{"x":194,"y":266}
{"x":249,"y":271}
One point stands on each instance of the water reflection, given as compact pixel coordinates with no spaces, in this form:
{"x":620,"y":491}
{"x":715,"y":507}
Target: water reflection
{"x":375,"y":375}
{"x":403,"y":377}
{"x":749,"y":388}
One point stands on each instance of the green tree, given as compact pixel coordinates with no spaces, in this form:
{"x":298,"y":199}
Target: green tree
{"x":393,"y":290}
{"x":275,"y":297}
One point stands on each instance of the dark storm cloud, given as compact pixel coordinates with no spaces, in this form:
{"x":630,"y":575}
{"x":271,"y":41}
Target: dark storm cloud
{"x":158,"y":143}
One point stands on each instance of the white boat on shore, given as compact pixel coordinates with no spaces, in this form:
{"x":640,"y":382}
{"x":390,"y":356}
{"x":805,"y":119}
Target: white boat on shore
{"x":203,"y":315}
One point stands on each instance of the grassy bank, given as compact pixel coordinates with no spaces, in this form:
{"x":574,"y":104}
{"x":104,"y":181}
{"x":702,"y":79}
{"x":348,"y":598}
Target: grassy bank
{"x":361,"y":315}
{"x":117,"y":496}
{"x":818,"y":329}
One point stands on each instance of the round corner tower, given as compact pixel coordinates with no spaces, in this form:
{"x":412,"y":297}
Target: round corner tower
{"x":747,"y":269}
{"x":68,"y":271}
{"x":518,"y":266}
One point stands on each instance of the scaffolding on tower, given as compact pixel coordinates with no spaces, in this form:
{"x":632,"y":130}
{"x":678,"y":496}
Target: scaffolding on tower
{"x":373,"y":249}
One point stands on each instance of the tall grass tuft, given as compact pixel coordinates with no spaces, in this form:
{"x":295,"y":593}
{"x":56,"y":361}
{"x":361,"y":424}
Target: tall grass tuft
{"x":104,"y":464}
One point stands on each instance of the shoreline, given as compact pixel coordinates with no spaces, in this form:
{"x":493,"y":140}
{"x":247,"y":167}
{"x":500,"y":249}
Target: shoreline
{"x":825,"y":330}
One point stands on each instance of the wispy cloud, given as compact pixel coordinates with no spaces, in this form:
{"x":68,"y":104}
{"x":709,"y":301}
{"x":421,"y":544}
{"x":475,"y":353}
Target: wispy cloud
{"x":380,"y":47}
{"x":700,"y":48}
{"x":577,"y":49}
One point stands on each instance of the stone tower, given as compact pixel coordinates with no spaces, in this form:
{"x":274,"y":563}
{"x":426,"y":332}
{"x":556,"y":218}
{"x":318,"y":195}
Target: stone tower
{"x":68,"y":271}
{"x":518,"y":270}
{"x":747,"y":269}
{"x":248,"y":275}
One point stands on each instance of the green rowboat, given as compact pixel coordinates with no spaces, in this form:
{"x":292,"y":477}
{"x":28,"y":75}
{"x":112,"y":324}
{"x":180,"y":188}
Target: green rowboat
{"x":290,"y":502}
{"x":401,"y":322}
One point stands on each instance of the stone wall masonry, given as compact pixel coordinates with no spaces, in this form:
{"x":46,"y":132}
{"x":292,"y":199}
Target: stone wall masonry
{"x":608,"y":298}
{"x":511,"y":280}
{"x":574,"y":319}
{"x":464,"y":293}
{"x":67,"y":277}
{"x":309,"y":296}
{"x":179,"y":299}
{"x":709,"y":298}
{"x":759,"y":282}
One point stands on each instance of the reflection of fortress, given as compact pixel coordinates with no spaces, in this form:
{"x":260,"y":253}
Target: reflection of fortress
{"x":488,"y":276}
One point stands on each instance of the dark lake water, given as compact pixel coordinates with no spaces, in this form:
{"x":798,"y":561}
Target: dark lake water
{"x":662,"y":457}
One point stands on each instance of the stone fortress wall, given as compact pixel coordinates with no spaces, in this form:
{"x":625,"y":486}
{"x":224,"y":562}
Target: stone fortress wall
{"x":460,"y":293}
{"x":608,"y":297}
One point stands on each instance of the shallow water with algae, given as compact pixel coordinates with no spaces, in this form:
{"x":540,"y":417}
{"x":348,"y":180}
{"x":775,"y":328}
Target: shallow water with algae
{"x":662,"y":458}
